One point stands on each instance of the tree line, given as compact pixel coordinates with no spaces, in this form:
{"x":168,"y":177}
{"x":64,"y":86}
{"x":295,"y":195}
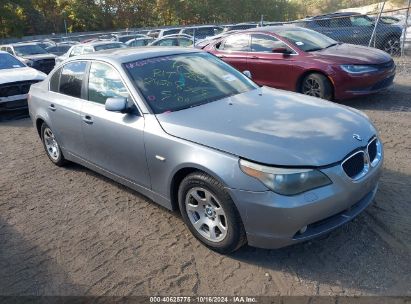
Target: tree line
{"x":33,"y":17}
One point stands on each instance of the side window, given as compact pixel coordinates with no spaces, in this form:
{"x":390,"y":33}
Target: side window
{"x":340,"y":22}
{"x":361,"y":21}
{"x":76,"y":51}
{"x":185,"y":42}
{"x":236,"y":43}
{"x":9,"y":50}
{"x":71,"y":78}
{"x":265,"y":43}
{"x":166,"y":42}
{"x":188,"y":32}
{"x":55,"y":81}
{"x":88,"y":49}
{"x":104,"y":82}
{"x":323,"y":22}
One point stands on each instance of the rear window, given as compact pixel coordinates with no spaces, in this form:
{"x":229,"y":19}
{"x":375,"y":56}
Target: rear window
{"x":29,"y":49}
{"x":9,"y":62}
{"x":71,"y":78}
{"x":109,"y":46}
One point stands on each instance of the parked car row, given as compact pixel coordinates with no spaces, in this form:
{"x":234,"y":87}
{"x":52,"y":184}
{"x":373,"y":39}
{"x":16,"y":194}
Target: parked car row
{"x":283,"y":57}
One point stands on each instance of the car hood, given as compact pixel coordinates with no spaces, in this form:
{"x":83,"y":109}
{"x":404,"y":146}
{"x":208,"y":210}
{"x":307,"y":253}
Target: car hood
{"x":273,"y":127}
{"x":39,"y":56}
{"x":20,"y":74}
{"x":352,"y":54}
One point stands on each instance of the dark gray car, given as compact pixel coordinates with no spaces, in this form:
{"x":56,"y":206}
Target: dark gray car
{"x":242,"y":163}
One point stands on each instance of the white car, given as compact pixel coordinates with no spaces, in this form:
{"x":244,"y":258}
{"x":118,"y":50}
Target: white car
{"x":89,"y":47}
{"x":15,"y":81}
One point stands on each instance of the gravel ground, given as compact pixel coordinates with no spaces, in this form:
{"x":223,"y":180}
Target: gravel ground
{"x":69,"y":231}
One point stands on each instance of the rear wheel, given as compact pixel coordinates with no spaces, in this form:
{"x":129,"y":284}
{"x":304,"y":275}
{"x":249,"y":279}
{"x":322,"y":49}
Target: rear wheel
{"x":51,"y":145}
{"x":392,"y":46}
{"x":210,"y":213}
{"x":317,"y":85}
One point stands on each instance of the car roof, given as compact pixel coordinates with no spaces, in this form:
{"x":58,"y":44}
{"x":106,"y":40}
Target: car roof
{"x":132,"y":54}
{"x":171,"y":28}
{"x":200,"y":26}
{"x":22,"y":43}
{"x":101,"y":42}
{"x":273,"y":29}
{"x":337,"y":14}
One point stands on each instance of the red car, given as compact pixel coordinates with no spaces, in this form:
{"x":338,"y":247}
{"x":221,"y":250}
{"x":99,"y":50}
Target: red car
{"x":302,"y":60}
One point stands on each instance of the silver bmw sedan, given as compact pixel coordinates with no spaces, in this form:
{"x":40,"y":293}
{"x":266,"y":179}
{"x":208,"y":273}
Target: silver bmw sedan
{"x":242,"y":163}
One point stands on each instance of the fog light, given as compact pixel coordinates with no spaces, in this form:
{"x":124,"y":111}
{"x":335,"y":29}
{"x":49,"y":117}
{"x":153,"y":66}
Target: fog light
{"x":302,"y":230}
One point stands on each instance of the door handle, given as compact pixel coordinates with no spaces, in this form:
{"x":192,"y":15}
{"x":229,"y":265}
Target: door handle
{"x":52,"y":107}
{"x":220,"y":56}
{"x":87,"y":119}
{"x":254,"y":57}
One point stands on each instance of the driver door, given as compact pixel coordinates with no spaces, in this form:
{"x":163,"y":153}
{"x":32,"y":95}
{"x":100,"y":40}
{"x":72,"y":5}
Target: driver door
{"x":270,"y":68}
{"x":114,"y":141}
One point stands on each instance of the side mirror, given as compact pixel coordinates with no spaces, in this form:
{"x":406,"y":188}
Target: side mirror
{"x":282,"y":50}
{"x":248,"y":74}
{"x":116,"y":104}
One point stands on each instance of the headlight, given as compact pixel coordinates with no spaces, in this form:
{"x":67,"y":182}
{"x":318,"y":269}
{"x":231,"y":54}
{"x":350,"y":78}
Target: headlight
{"x":285,"y":181}
{"x":358,"y":69}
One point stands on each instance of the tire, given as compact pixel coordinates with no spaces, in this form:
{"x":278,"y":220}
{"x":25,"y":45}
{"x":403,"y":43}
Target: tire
{"x":51,"y":146}
{"x":210,"y":212}
{"x":317,"y":85}
{"x":392,"y":46}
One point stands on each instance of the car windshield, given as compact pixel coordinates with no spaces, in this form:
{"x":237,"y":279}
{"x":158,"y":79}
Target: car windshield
{"x":9,"y":62}
{"x":29,"y":49}
{"x":177,"y":82}
{"x":109,"y":46}
{"x":307,"y":40}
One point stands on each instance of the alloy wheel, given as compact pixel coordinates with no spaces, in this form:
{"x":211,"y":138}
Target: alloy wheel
{"x":51,"y":144}
{"x":206,"y":214}
{"x":392,"y":47}
{"x":312,"y":87}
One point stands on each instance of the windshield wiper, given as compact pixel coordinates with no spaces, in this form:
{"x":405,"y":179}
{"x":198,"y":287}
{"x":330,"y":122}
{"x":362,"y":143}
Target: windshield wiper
{"x":332,"y":44}
{"x":314,"y":49}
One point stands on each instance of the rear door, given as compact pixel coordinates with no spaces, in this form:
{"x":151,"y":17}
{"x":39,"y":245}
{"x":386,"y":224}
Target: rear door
{"x":64,"y":106}
{"x":234,"y":50}
{"x":362,"y":29}
{"x":337,"y":28}
{"x":115,"y":141}
{"x":268,"y":67}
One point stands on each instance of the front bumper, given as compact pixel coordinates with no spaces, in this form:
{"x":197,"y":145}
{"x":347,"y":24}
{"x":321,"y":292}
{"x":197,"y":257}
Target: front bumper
{"x":350,"y":86}
{"x":273,"y":221}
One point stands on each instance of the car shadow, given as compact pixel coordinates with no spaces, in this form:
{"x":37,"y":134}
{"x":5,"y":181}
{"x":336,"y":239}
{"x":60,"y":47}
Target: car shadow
{"x":395,"y":99}
{"x":369,"y":254}
{"x":28,"y":269}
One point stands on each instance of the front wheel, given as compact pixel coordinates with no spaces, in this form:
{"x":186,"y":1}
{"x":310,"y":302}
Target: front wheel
{"x":51,"y":145}
{"x":392,"y":46}
{"x":210,"y":214}
{"x":317,"y":85}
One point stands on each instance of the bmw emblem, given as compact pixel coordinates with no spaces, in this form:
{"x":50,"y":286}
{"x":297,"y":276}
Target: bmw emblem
{"x":357,"y":137}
